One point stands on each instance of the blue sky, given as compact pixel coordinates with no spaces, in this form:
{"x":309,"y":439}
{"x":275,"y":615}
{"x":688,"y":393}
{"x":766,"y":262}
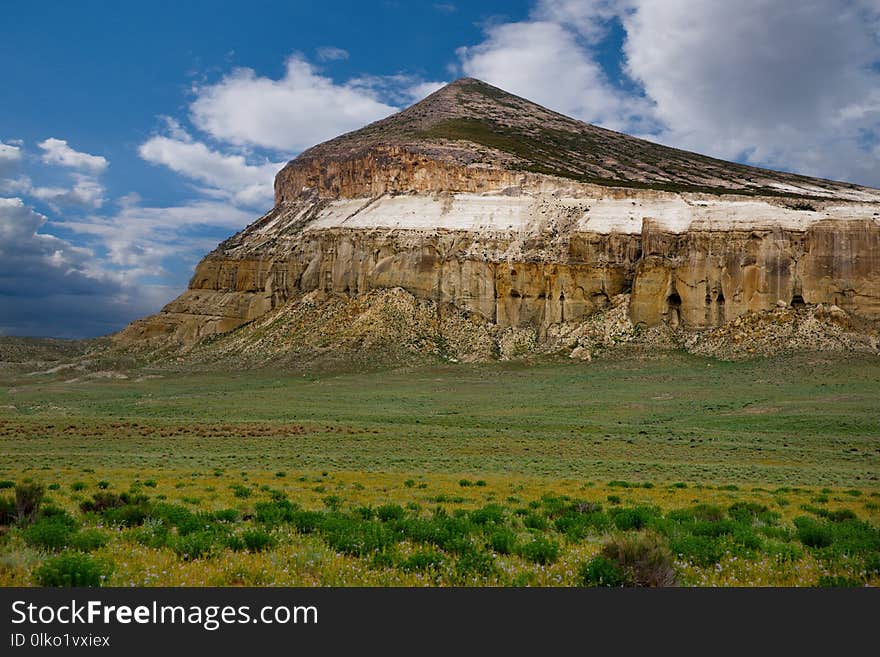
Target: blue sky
{"x":135,"y":136}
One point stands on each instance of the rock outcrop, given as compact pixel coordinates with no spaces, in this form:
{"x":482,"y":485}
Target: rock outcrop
{"x":482,"y":202}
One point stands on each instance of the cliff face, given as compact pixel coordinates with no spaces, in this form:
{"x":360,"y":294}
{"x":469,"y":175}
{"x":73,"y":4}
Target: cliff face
{"x":484,"y":202}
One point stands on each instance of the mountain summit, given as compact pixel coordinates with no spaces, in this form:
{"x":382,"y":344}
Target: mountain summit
{"x":476,"y":221}
{"x":471,"y":122}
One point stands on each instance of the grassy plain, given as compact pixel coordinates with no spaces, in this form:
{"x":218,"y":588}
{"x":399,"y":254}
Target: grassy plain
{"x":752,"y":473}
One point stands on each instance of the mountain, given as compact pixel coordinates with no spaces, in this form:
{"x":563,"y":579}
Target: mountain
{"x":469,"y":122}
{"x":488,"y":207}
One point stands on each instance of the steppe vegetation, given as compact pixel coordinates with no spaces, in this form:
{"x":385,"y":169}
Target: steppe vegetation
{"x":648,"y":471}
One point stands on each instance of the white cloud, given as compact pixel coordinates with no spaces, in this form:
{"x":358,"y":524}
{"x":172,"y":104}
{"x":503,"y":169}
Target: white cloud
{"x":589,"y":18}
{"x":331,"y":53}
{"x":86,"y":192}
{"x":10,"y":156}
{"x":228,"y":176}
{"x":787,"y":85}
{"x":401,"y":89}
{"x":139,"y":239}
{"x":545,"y":61}
{"x":301,"y":109}
{"x":49,"y":286}
{"x":57,"y":152}
{"x":420,"y":90}
{"x":791,"y":86}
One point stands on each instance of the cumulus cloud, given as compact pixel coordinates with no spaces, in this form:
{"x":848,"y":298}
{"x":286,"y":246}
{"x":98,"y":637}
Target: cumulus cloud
{"x":331,"y":53}
{"x":140,"y":240}
{"x":86,"y":192}
{"x":10,"y":156}
{"x":299,"y":110}
{"x":795,"y":87}
{"x":46,"y":283}
{"x":545,"y":61}
{"x":589,"y":18}
{"x":57,"y":152}
{"x":400,"y":89}
{"x":227,"y":175}
{"x":792,"y":86}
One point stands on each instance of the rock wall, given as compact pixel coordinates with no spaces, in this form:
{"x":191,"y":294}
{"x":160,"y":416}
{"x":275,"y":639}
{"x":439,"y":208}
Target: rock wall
{"x":389,"y":170}
{"x":699,"y":278}
{"x":705,"y":278}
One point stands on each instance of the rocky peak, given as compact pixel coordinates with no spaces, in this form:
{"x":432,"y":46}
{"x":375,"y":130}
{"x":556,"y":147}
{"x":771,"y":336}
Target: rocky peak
{"x":452,"y":137}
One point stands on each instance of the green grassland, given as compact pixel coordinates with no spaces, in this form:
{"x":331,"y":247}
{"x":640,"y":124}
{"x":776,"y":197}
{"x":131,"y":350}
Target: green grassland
{"x":764,"y":472}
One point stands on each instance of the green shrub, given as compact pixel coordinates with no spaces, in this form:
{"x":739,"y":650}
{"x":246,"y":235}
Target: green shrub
{"x":28,"y":497}
{"x":576,"y":525}
{"x":633,"y":518}
{"x":473,"y":563}
{"x":129,"y":515}
{"x":389,"y":512}
{"x":786,"y":552}
{"x":77,"y":486}
{"x":837,"y":581}
{"x":422,"y":560}
{"x":48,"y":533}
{"x":103,"y":484}
{"x":489,"y":514}
{"x":699,"y":550}
{"x":306,"y":522}
{"x":600,"y":571}
{"x":54,"y":486}
{"x":235,"y":542}
{"x":257,"y":540}
{"x":540,"y":550}
{"x":72,"y":569}
{"x":57,"y":513}
{"x":151,"y":483}
{"x":697,"y":513}
{"x":7,"y":511}
{"x":645,"y":559}
{"x":535,"y":521}
{"x":154,"y":533}
{"x":503,"y":540}
{"x":718,"y":528}
{"x":365,"y":512}
{"x":195,"y":545}
{"x":241,"y":491}
{"x":275,"y":512}
{"x":226,"y":515}
{"x":812,"y":533}
{"x":409,"y":483}
{"x":88,"y":540}
{"x":100,"y":502}
{"x":382,"y":560}
{"x":173,"y":514}
{"x":5,"y":483}
{"x":465,"y":483}
{"x":840,"y":515}
{"x":613,"y":499}
{"x":450,"y":534}
{"x":355,"y":537}
{"x":332,"y":502}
